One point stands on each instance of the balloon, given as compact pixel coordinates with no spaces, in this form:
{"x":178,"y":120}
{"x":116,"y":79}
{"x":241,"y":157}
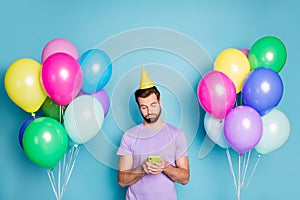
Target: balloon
{"x":83,"y":118}
{"x":243,"y":128}
{"x":59,"y":45}
{"x":216,"y":93}
{"x":45,"y":141}
{"x":52,"y":109}
{"x":267,"y":52}
{"x":23,"y":86}
{"x":235,"y":65}
{"x":245,"y":51}
{"x":97,"y":69}
{"x":23,"y":128}
{"x":102,"y":97}
{"x":262,"y":90}
{"x":61,"y":78}
{"x":276,"y":132}
{"x":214,"y":130}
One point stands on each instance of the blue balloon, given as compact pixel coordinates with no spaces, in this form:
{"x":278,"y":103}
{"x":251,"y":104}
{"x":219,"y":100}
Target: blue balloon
{"x":96,"y":68}
{"x":23,"y":128}
{"x":262,"y":90}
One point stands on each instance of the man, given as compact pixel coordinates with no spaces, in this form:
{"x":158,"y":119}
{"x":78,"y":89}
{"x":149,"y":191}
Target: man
{"x":152,"y":180}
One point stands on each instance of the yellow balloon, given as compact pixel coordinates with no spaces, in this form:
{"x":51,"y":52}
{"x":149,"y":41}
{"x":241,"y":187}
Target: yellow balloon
{"x":23,"y":86}
{"x":235,"y":64}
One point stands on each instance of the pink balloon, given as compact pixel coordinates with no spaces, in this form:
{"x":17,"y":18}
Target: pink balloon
{"x":59,"y":45}
{"x":243,"y":128}
{"x":245,"y":51}
{"x":216,"y":93}
{"x":61,"y":77}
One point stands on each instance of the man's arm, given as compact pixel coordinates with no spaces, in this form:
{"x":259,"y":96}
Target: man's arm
{"x":180,"y":173}
{"x":127,"y":175}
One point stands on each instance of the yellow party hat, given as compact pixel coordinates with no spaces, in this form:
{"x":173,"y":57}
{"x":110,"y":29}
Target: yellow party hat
{"x":145,"y":81}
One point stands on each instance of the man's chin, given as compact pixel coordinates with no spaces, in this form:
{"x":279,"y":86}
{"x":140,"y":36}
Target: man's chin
{"x":150,"y":120}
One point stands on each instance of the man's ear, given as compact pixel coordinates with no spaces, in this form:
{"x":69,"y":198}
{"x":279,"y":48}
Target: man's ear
{"x":160,"y":102}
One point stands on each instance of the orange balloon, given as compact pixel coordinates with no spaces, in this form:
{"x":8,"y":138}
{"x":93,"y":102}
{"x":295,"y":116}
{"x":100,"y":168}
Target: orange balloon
{"x":235,"y":65}
{"x":23,"y":86}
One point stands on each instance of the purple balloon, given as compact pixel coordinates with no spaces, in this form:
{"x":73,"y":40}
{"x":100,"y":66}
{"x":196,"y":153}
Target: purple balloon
{"x":101,"y":96}
{"x":262,"y":90}
{"x":243,"y":128}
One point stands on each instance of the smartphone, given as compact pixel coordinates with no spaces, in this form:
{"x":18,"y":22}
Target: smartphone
{"x":154,"y":159}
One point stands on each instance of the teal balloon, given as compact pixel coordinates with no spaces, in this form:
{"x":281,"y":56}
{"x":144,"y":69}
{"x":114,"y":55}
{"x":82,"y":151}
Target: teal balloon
{"x":268,"y":52}
{"x":96,"y":68}
{"x":83,"y":118}
{"x":276,"y":132}
{"x":45,"y":141}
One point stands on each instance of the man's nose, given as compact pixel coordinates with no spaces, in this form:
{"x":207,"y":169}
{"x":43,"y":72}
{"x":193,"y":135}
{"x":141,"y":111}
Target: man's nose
{"x":149,"y":110}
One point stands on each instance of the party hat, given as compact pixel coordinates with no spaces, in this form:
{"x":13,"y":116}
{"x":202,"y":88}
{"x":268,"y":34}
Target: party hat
{"x":145,"y":81}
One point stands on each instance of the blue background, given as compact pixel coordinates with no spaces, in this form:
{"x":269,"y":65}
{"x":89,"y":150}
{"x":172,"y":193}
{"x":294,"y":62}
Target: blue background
{"x":26,"y":27}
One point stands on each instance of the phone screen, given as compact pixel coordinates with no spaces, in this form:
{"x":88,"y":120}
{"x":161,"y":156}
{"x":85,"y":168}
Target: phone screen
{"x":154,"y":159}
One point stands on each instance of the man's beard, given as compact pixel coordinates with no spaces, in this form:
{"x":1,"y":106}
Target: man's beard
{"x":152,"y":119}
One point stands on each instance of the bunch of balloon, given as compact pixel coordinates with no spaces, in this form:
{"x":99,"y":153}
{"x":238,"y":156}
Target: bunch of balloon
{"x":30,"y":84}
{"x":252,"y":121}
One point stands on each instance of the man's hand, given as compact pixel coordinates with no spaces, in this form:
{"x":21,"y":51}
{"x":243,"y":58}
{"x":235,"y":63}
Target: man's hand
{"x":179,"y":173}
{"x":154,"y":167}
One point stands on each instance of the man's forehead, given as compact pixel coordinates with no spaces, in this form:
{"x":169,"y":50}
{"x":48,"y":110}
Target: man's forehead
{"x":148,"y":100}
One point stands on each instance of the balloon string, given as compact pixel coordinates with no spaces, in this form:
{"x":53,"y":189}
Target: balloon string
{"x":231,"y":167}
{"x":33,"y":115}
{"x":245,"y":166}
{"x":71,"y":154}
{"x":51,"y":178}
{"x":59,"y":180}
{"x":74,"y":151}
{"x":253,"y":170}
{"x":64,"y":171}
{"x":64,"y":162}
{"x":239,"y":179}
{"x":60,"y":114}
{"x":241,"y":99}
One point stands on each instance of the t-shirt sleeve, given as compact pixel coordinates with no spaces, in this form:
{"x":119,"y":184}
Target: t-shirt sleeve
{"x":124,"y":148}
{"x":181,"y":145}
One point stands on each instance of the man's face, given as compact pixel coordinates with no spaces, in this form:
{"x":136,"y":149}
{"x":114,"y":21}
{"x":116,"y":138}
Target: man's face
{"x":150,"y":108}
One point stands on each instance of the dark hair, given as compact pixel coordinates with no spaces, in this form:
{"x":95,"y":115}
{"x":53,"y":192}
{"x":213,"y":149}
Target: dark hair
{"x":143,"y":93}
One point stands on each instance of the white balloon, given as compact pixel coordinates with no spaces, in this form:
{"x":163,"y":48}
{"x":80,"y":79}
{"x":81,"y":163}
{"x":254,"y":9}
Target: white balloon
{"x":83,"y":118}
{"x":214,"y":130}
{"x":276,"y":132}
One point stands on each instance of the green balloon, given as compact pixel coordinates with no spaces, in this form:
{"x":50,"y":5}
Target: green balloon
{"x":267,"y":52}
{"x":45,"y":141}
{"x":51,"y":109}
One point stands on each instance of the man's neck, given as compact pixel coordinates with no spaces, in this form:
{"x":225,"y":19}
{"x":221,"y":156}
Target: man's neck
{"x":156,"y":125}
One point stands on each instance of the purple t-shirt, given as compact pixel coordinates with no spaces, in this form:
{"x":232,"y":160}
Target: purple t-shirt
{"x":168,"y":142}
